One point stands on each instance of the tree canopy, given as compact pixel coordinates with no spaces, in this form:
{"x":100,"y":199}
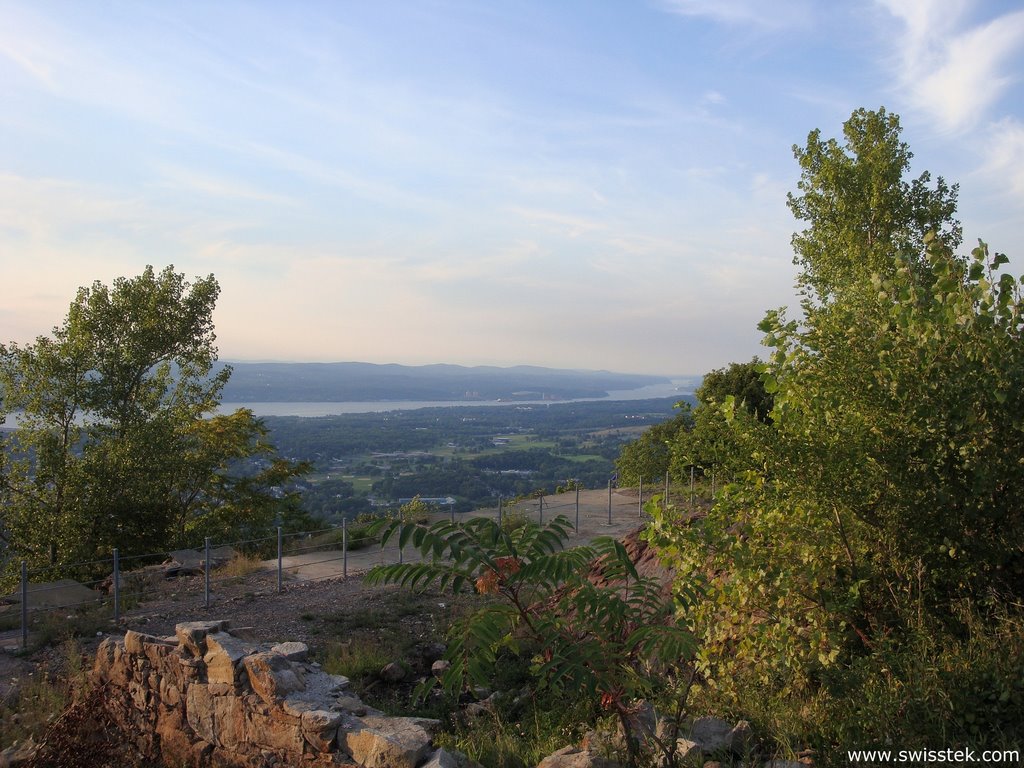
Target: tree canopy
{"x":699,"y":437}
{"x":883,"y":501}
{"x":118,"y":442}
{"x":863,"y":216}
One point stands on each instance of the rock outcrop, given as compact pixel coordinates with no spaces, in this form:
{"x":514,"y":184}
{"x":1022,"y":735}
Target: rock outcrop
{"x":209,"y":697}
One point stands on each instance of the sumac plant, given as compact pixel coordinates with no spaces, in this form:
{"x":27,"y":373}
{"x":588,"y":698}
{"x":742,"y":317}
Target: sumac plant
{"x":593,"y":624}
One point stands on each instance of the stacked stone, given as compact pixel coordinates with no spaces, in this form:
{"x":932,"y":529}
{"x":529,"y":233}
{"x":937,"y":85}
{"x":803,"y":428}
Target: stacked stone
{"x":209,"y":696}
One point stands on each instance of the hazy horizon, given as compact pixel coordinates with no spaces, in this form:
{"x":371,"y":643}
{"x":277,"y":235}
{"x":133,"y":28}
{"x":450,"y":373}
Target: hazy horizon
{"x":240,"y":361}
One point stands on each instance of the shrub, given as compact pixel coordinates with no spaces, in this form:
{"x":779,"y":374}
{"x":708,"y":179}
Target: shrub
{"x":611,"y":643}
{"x":240,"y":565}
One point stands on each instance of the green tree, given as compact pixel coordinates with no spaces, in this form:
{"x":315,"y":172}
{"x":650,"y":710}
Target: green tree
{"x":699,"y":437}
{"x":118,"y":443}
{"x":885,"y":496}
{"x":863,"y":216}
{"x":740,"y":381}
{"x":416,"y":511}
{"x":649,"y":456}
{"x":712,"y":444}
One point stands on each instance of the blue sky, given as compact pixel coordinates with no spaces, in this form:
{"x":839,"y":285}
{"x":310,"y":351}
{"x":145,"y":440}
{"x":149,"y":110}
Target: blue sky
{"x":575,"y":184}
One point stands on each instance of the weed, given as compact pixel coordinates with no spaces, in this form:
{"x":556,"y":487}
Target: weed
{"x":928,"y":686}
{"x":320,"y":542}
{"x":239,"y":566}
{"x":359,"y":658}
{"x":40,"y":698}
{"x":10,"y":617}
{"x":519,"y":734}
{"x":49,"y":627}
{"x":621,"y":643}
{"x":359,"y":537}
{"x":513,"y":519}
{"x":357,"y":534}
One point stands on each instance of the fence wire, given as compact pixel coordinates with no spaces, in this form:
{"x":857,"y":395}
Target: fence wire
{"x":305,"y":556}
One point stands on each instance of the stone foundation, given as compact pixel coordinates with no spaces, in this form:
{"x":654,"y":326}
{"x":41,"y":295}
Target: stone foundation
{"x":210,"y":697}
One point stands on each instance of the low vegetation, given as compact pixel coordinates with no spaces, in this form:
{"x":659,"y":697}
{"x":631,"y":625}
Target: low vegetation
{"x":38,"y":698}
{"x":611,"y":639}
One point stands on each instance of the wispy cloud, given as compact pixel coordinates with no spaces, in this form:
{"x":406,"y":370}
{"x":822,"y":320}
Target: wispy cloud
{"x":331,"y":175}
{"x":27,"y":205}
{"x":571,"y":225}
{"x":949,"y":69}
{"x":70,"y":64}
{"x":210,"y":185}
{"x":1005,"y":157}
{"x":751,"y":13}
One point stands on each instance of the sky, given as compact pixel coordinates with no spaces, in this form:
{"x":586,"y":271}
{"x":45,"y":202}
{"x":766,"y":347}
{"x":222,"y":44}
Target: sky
{"x":594,"y":184}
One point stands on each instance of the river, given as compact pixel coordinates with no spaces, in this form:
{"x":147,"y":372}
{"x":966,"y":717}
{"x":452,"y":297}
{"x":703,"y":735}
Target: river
{"x":677,"y":388}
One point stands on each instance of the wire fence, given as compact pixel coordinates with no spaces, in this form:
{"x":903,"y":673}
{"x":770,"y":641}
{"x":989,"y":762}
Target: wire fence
{"x":47,"y":604}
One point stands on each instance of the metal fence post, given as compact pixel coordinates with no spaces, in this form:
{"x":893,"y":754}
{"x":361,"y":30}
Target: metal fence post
{"x":542,"y":510}
{"x":206,"y":572}
{"x":499,"y":510}
{"x":344,"y":547}
{"x":280,"y":554}
{"x":577,"y":509}
{"x":609,"y":501}
{"x":451,"y":509}
{"x":401,"y":549}
{"x":117,"y":587}
{"x":691,"y":487}
{"x":640,"y":501}
{"x":666,"y":492}
{"x":24,"y":605}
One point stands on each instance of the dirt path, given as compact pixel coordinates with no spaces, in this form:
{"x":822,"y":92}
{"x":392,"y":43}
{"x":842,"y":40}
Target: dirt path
{"x":593,"y":517}
{"x":313,"y":584}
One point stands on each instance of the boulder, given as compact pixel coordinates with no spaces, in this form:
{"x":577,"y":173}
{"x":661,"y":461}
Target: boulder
{"x":392,"y":672}
{"x":442,"y":758}
{"x":223,"y":654}
{"x":320,"y":727}
{"x":386,"y":742}
{"x":19,"y":754}
{"x":714,"y":735}
{"x":431,"y":652}
{"x":192,"y":634}
{"x":643,"y":724}
{"x":576,"y":757}
{"x":293,"y":651}
{"x":207,"y":698}
{"x":272,"y":676}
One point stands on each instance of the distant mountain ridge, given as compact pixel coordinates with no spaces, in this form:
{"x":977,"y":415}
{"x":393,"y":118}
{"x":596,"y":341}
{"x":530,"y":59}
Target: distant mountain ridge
{"x":352,"y":381}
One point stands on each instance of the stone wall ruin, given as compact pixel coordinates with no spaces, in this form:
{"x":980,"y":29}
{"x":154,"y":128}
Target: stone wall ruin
{"x":209,"y":696}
